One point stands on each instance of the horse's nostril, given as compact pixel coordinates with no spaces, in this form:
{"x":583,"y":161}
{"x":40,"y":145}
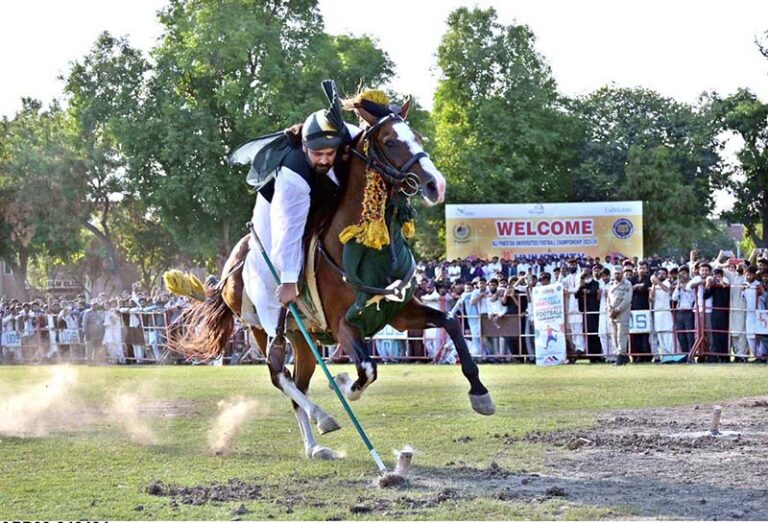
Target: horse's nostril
{"x":432,"y":187}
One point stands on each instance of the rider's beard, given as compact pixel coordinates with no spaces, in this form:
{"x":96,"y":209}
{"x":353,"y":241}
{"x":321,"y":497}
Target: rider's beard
{"x":322,"y":168}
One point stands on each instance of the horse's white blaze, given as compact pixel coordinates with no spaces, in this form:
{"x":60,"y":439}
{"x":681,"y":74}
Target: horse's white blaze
{"x":405,"y":134}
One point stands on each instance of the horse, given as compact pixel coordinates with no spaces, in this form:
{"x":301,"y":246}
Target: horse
{"x":394,"y":150}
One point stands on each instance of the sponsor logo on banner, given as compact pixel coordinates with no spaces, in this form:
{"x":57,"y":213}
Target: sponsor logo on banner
{"x":462,"y":232}
{"x":549,"y":324}
{"x":640,"y":322}
{"x":69,"y":337}
{"x":623,"y":228}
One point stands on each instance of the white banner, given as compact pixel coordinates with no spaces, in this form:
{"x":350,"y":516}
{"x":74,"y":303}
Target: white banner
{"x":390,"y":333}
{"x":11,"y":339}
{"x":69,"y":337}
{"x":640,"y":322}
{"x":549,"y":323}
{"x":761,"y":326}
{"x":563,"y":229}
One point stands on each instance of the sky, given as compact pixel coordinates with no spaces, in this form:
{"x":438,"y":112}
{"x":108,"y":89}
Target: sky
{"x":679,"y":48}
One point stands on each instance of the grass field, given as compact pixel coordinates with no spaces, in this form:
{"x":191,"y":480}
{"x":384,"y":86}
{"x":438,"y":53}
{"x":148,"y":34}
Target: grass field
{"x":83,"y":464}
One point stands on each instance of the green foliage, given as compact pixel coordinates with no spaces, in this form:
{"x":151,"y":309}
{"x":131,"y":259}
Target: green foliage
{"x":143,"y":240}
{"x":746,"y":116}
{"x":103,"y":91}
{"x":40,"y":194}
{"x":502,"y":134}
{"x":668,"y":205}
{"x":226,"y":72}
{"x":616,"y":119}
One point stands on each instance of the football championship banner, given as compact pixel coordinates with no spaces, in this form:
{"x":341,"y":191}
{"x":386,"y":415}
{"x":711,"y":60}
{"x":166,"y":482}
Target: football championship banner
{"x":510,"y":230}
{"x":549,"y":324}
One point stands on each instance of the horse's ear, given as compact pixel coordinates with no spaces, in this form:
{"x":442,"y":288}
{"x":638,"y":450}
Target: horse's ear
{"x":405,"y":107}
{"x":365,"y":115}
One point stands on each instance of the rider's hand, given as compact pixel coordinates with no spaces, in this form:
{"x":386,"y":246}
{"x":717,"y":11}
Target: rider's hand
{"x":294,"y":134}
{"x":287,"y":293}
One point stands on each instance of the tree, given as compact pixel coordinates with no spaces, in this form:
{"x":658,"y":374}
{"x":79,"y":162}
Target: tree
{"x":104,"y":91}
{"x":746,"y":116}
{"x":226,"y":72}
{"x":143,"y":240}
{"x":617,"y":119}
{"x":40,"y":203}
{"x":502,"y":134}
{"x":668,"y":204}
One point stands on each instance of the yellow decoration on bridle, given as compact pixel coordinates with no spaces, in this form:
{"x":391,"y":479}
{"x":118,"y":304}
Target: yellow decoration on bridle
{"x":371,"y":229}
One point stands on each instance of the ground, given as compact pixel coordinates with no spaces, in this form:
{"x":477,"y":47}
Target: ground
{"x":573,"y":442}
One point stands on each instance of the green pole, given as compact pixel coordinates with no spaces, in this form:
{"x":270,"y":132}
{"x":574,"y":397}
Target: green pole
{"x":295,"y":311}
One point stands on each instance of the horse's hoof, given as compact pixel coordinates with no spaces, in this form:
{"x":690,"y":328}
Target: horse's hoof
{"x":483,"y":404}
{"x":323,"y":453}
{"x":343,"y":381}
{"x":327,"y":424}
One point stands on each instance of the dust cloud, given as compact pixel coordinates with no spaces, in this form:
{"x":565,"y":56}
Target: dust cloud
{"x":124,"y":411}
{"x":233,"y":414}
{"x":27,"y":413}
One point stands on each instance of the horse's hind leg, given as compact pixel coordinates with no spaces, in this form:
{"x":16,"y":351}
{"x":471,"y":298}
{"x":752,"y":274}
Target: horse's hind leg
{"x":418,"y":316}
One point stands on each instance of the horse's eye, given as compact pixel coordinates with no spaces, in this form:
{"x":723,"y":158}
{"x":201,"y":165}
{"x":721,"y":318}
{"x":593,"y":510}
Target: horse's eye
{"x":390,"y":143}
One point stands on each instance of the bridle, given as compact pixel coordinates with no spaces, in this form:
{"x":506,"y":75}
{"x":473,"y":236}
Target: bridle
{"x":400,"y":178}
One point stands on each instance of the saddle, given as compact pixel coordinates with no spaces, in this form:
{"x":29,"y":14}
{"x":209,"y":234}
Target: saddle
{"x":309,"y":302}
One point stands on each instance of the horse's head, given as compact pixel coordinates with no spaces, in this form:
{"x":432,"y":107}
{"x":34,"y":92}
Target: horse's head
{"x":396,"y":151}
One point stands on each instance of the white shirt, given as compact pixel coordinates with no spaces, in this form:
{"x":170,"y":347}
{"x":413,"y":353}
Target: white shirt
{"x":289,"y":209}
{"x":750,"y":295}
{"x":685,"y":298}
{"x":700,"y":293}
{"x":571,"y":282}
{"x":454,"y":272}
{"x":661,"y":297}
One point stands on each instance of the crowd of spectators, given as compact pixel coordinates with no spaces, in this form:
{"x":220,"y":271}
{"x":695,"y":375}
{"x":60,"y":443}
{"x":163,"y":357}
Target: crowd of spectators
{"x":693,"y":304}
{"x":129,"y":327}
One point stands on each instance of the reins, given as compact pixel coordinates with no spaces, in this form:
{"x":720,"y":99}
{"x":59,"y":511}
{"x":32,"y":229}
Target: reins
{"x":399,"y":179}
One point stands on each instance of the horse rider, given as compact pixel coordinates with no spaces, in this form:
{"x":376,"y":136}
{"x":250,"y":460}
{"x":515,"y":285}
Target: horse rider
{"x":308,"y":176}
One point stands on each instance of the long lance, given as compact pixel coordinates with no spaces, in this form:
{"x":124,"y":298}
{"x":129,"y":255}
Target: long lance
{"x":295,"y":311}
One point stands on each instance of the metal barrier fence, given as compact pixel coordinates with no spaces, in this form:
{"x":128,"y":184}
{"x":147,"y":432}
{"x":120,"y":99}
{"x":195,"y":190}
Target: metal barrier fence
{"x":709,"y":332}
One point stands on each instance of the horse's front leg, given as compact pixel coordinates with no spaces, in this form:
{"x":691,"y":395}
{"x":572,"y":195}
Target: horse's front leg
{"x":358,"y":350}
{"x":417,"y":316}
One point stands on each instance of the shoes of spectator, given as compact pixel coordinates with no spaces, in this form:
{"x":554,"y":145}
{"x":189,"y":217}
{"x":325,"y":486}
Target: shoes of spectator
{"x":621,"y":359}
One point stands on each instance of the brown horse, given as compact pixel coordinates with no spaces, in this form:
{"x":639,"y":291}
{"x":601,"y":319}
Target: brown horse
{"x":401,"y":161}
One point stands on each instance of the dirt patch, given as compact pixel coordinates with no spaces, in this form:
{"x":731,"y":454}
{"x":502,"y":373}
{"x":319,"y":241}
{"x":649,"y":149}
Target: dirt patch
{"x":233,"y":490}
{"x":651,"y":463}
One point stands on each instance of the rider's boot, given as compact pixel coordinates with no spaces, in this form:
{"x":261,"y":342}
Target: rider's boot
{"x":276,"y":350}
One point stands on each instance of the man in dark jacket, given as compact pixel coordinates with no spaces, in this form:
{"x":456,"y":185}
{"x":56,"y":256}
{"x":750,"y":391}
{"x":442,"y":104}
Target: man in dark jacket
{"x":588,"y":296}
{"x":641,"y":283}
{"x":717,"y":289}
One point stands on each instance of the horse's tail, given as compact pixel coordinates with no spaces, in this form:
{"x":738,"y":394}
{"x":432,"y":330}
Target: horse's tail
{"x":205,"y":328}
